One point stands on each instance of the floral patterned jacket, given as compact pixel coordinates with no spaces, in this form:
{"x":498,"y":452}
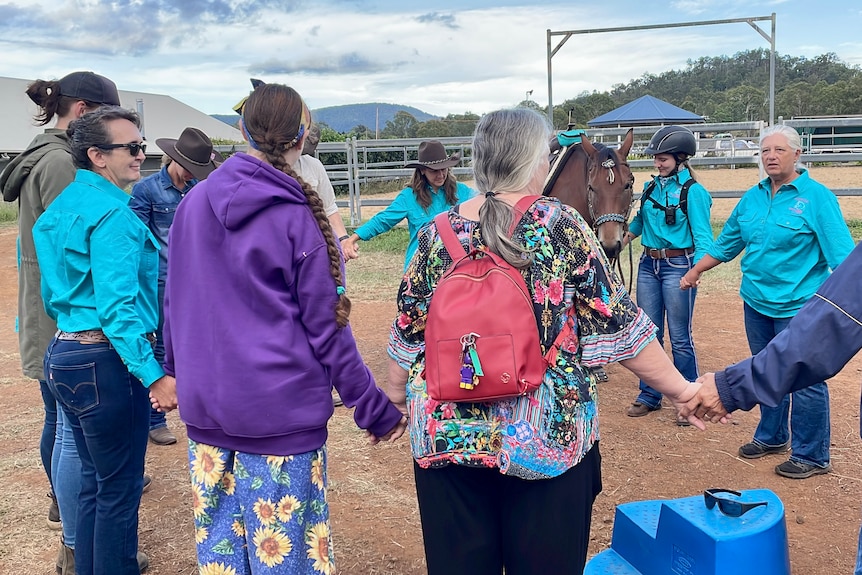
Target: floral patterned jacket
{"x":549,"y":431}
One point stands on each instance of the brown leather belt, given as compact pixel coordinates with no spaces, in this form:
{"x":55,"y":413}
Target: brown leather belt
{"x":667,"y":252}
{"x":94,"y":336}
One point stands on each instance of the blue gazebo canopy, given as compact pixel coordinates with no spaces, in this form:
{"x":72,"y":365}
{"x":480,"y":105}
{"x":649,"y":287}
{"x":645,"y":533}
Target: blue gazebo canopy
{"x":645,"y":111}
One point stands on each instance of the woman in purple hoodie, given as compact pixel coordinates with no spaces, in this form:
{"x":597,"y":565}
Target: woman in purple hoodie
{"x":256,"y":332}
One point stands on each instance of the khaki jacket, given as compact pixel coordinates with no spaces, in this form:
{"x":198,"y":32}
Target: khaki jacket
{"x":35,"y":178}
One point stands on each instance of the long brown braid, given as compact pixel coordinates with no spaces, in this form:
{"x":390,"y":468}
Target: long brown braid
{"x":275,"y":117}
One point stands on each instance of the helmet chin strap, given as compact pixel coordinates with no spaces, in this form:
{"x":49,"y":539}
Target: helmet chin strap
{"x":678,"y":163}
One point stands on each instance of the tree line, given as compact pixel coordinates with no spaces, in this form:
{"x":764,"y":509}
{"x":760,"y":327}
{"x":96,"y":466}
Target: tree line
{"x":722,"y":89}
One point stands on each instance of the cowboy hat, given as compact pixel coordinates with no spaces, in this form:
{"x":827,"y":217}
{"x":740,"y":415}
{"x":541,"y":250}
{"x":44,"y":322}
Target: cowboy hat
{"x":432,"y":155}
{"x":193,"y":151}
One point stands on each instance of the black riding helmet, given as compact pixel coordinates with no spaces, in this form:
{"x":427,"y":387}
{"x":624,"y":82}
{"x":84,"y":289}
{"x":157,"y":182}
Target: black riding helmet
{"x":672,"y":140}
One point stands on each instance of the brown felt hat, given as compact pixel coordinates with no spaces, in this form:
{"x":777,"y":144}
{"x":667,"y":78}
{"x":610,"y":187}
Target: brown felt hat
{"x":432,"y":155}
{"x":193,"y":151}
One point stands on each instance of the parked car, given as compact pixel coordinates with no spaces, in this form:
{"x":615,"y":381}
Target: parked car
{"x":727,"y":147}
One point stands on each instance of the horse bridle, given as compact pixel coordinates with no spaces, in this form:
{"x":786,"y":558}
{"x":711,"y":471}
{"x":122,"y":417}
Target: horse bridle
{"x":608,"y":164}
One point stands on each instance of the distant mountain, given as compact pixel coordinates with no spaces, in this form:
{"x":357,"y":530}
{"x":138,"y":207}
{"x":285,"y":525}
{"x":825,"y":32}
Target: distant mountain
{"x":229,"y":119}
{"x":374,"y":115}
{"x":345,"y":118}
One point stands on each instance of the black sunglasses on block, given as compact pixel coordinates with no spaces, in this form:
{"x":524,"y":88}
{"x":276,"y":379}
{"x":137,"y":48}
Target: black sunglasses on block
{"x":134,"y":148}
{"x":729,"y":507}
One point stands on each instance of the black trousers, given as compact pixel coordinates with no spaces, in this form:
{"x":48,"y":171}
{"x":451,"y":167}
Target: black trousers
{"x":476,"y":521}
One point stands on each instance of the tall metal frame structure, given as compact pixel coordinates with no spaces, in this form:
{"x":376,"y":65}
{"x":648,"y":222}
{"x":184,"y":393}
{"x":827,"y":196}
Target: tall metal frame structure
{"x":750,"y":21}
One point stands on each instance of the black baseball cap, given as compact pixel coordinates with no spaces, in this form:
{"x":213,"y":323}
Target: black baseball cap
{"x":90,"y":87}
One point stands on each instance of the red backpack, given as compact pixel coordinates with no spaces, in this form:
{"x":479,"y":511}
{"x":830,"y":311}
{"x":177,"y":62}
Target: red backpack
{"x":481,"y":337}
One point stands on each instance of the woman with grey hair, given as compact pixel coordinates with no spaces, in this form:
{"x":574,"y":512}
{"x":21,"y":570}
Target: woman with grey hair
{"x":99,"y":267}
{"x":510,"y":484}
{"x":793,"y":234}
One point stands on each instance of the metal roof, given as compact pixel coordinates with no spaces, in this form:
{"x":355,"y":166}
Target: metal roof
{"x":163,"y":117}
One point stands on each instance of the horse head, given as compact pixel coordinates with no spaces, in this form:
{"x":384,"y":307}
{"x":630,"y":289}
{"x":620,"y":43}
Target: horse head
{"x":610,"y":189}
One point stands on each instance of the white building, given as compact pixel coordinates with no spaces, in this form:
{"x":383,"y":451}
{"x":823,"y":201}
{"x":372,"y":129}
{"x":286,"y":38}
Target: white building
{"x":163,"y":117}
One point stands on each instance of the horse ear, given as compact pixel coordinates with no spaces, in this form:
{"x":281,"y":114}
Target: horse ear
{"x":627,"y":143}
{"x":588,"y":146}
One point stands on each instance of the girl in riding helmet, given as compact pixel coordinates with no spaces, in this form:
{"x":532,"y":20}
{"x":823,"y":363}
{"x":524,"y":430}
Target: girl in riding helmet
{"x":674,"y":221}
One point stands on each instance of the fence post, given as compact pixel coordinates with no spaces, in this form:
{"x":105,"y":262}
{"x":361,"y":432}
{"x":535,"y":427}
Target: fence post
{"x":353,"y":177}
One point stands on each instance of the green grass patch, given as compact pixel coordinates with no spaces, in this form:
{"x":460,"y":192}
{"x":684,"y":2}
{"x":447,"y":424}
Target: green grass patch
{"x":392,"y":242}
{"x":8,"y":212}
{"x":375,"y":276}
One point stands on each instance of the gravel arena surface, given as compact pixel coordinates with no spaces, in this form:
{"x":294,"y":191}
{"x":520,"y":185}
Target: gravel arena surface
{"x":374,"y":514}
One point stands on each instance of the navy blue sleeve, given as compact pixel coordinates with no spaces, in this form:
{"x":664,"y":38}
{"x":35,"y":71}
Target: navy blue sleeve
{"x":817,"y":343}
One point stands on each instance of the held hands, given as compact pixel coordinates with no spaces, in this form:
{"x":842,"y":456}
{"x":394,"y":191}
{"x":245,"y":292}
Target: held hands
{"x":163,"y":394}
{"x":690,"y":280}
{"x":683,"y":399}
{"x":393,"y":435}
{"x":350,"y":247}
{"x":706,"y":403}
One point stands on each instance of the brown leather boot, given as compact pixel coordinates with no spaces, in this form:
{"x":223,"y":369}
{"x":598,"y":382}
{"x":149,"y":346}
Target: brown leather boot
{"x":65,"y":560}
{"x":54,"y":513}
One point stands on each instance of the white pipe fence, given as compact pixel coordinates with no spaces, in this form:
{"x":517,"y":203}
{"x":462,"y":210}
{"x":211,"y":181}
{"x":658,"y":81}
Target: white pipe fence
{"x":354,"y":163}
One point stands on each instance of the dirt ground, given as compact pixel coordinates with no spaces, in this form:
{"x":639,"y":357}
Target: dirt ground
{"x":374,"y":515}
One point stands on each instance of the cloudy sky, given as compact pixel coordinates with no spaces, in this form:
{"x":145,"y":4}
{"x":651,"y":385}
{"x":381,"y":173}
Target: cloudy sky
{"x":441,"y":57}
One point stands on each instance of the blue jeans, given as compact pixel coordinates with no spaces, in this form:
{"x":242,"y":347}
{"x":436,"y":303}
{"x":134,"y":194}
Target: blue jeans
{"x":157,"y":418}
{"x":658,"y":294}
{"x":858,"y":570}
{"x":66,"y":477}
{"x":49,"y":430}
{"x":807,"y":408}
{"x":108,"y":410}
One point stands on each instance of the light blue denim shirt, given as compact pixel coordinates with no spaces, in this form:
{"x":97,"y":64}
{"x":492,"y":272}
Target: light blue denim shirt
{"x":99,"y":269}
{"x":155,"y":200}
{"x":690,"y":231}
{"x":791,"y":240}
{"x":406,"y":206}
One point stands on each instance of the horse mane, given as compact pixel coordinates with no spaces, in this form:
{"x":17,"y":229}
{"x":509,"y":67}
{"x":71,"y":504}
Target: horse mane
{"x":604,"y":152}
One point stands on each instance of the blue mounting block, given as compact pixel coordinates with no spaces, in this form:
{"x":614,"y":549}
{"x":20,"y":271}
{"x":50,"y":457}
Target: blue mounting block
{"x":683,"y":537}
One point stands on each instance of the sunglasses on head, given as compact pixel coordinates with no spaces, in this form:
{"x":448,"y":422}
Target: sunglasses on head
{"x":729,"y":507}
{"x":134,"y":148}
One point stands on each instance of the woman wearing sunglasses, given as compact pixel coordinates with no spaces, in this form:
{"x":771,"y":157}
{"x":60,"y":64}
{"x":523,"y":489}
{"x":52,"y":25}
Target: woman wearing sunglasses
{"x":33,"y":180}
{"x":99,"y":267}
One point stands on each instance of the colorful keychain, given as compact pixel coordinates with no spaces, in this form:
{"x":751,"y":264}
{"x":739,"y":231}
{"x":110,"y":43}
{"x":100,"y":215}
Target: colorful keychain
{"x":471,"y":367}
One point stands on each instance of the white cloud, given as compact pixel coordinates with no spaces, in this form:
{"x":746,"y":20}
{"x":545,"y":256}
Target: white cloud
{"x":457,"y":56}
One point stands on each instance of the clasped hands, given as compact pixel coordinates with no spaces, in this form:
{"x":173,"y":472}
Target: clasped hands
{"x":706,"y":404}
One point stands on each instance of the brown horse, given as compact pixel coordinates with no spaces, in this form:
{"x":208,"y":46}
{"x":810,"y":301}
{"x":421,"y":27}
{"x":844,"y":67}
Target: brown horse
{"x":598,"y":183}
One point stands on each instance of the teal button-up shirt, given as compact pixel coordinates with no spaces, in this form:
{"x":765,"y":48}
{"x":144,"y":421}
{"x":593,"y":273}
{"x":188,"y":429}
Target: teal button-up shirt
{"x":406,"y":206}
{"x":99,"y":267}
{"x":693,"y":230}
{"x":791,"y":240}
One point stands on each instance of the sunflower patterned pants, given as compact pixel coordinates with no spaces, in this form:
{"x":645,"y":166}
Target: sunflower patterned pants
{"x":259,"y":514}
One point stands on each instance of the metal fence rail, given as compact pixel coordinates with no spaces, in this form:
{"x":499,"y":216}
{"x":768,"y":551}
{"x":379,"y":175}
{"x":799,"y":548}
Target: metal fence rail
{"x":355,"y":163}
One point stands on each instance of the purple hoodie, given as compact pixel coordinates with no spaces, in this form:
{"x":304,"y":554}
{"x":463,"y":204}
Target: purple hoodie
{"x":250,"y":330}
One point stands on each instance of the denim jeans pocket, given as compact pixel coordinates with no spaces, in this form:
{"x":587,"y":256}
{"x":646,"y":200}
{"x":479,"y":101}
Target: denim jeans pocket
{"x":75,"y":386}
{"x":680,"y":262}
